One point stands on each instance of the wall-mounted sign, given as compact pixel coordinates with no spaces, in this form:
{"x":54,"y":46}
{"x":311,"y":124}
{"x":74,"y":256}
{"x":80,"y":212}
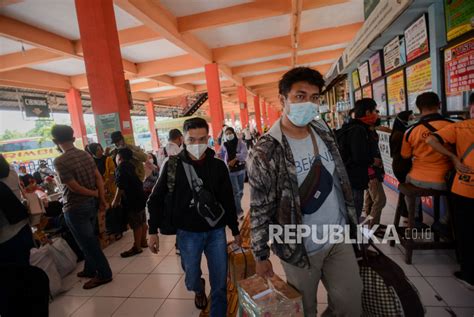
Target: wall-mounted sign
{"x":416,"y":39}
{"x":396,"y":93}
{"x":459,"y":67}
{"x":358,"y":95}
{"x":36,"y":107}
{"x":106,"y":124}
{"x":394,"y":54}
{"x":355,"y":79}
{"x":375,"y":66}
{"x":459,"y":16}
{"x":380,"y":96}
{"x":364,"y":75}
{"x":367,"y":91}
{"x":418,"y":81}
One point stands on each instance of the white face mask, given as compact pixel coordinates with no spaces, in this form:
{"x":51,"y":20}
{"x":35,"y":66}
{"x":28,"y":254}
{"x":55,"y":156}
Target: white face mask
{"x":196,"y":150}
{"x":302,"y":113}
{"x":229,"y":137}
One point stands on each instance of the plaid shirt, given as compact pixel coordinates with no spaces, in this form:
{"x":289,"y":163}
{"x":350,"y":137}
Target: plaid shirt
{"x":78,"y":165}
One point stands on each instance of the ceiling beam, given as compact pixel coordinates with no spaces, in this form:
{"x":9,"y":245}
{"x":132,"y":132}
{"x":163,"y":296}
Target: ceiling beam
{"x":35,"y":78}
{"x":263,"y":79}
{"x":188,"y":78}
{"x":168,"y":93}
{"x":280,"y":45}
{"x":296,"y":9}
{"x":167,"y":65}
{"x":224,"y":84}
{"x":145,"y":85}
{"x":27,"y":58}
{"x":255,"y":10}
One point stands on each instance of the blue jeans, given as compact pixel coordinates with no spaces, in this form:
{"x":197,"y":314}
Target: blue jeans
{"x":81,"y":221}
{"x":214,"y":245}
{"x":237,"y":179}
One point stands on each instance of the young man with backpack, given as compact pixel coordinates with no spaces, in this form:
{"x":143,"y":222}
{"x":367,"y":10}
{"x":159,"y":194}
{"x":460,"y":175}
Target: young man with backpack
{"x":355,"y":148}
{"x":194,"y":195}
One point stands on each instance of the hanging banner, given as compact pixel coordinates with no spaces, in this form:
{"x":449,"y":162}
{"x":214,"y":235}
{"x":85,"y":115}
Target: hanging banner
{"x":355,"y":80}
{"x":418,"y":81}
{"x":416,"y":39}
{"x":396,"y":93}
{"x":106,"y":124}
{"x":459,"y":16}
{"x":364,"y":73}
{"x":375,"y":66}
{"x":459,"y":67}
{"x":357,"y":94}
{"x":394,"y":54}
{"x":380,"y":96}
{"x":36,"y":107}
{"x":367,"y":91}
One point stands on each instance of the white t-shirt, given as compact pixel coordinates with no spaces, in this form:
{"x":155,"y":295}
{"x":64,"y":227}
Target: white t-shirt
{"x":327,"y":197}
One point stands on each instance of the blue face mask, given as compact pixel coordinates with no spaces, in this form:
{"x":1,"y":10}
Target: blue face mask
{"x":300,"y":114}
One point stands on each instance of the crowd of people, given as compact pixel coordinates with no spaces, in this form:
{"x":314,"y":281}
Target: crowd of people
{"x":299,"y":172}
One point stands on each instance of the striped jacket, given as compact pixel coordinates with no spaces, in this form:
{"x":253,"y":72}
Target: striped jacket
{"x":274,"y":195}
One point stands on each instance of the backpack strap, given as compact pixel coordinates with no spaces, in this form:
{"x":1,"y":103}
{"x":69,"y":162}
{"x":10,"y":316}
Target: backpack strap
{"x":468,"y":150}
{"x":172,"y":166}
{"x":429,"y":126}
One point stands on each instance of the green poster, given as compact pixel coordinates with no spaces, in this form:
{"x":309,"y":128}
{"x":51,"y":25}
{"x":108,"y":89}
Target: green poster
{"x":106,"y":124}
{"x":459,"y":17}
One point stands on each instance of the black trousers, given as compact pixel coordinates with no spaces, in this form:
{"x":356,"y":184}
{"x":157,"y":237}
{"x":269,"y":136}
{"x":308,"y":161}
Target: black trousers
{"x":463,"y":214}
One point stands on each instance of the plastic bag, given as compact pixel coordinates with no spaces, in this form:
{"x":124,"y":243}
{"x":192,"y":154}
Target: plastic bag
{"x":42,"y":259}
{"x":63,"y":256}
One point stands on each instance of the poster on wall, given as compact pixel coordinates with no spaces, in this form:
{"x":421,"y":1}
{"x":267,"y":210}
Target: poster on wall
{"x":416,"y":39}
{"x":364,"y":75}
{"x":357,"y":95}
{"x":459,"y":74}
{"x":459,"y":16}
{"x":367,"y":91}
{"x":384,"y":147}
{"x":355,"y":80}
{"x":418,"y":81}
{"x":106,"y":124}
{"x":375,"y":66}
{"x":380,"y":96}
{"x":396,"y":93}
{"x":394,"y":54}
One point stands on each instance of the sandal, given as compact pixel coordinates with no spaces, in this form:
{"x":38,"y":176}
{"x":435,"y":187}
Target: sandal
{"x":200,"y":299}
{"x":133,"y":251}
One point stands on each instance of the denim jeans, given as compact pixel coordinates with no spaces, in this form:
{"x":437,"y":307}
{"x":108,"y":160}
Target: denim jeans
{"x":237,"y":179}
{"x":81,"y":221}
{"x":214,"y":245}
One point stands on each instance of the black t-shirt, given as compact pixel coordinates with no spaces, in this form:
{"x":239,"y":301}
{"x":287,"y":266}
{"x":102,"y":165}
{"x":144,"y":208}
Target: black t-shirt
{"x":127,"y":180}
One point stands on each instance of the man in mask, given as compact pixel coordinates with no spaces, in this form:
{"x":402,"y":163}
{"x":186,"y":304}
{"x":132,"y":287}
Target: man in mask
{"x":297,"y":177}
{"x":196,"y":171}
{"x":139,"y":157}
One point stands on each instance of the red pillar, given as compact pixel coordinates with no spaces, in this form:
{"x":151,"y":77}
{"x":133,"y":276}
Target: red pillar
{"x":74,"y":107}
{"x":232,"y":118}
{"x":258,"y":118}
{"x":103,"y":60}
{"x":244,"y":113}
{"x":215,"y":98}
{"x":150,"y":113}
{"x":265,"y":114}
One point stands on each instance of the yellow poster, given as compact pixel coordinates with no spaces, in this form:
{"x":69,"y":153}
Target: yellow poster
{"x":367,"y":91}
{"x":418,"y":81}
{"x":396,"y":93}
{"x":31,"y":155}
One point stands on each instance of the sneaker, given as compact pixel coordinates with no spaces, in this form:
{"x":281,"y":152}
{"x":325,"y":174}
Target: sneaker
{"x":95,"y":282}
{"x":133,"y":251}
{"x":459,"y":277}
{"x":84,"y":274}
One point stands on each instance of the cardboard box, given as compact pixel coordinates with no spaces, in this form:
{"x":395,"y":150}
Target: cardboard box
{"x":270,"y":298}
{"x":241,"y":263}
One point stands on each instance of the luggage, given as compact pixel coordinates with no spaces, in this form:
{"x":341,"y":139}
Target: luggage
{"x":271,"y":297}
{"x":63,"y":256}
{"x":241,"y":263}
{"x":43,"y":259}
{"x":387,"y":291}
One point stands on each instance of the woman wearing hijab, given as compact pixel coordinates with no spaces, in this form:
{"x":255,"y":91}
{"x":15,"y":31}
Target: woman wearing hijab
{"x":234,"y":153}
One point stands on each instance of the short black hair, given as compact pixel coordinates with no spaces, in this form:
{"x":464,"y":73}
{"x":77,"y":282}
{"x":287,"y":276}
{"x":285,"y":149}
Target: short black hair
{"x":306,"y":74}
{"x":427,"y":100}
{"x":62,"y":133}
{"x":93,"y":147}
{"x":230,"y":129}
{"x":174,"y":134}
{"x":363,"y":105}
{"x":471,"y":98}
{"x":125,"y":154}
{"x":195,"y":123}
{"x":116,"y":136}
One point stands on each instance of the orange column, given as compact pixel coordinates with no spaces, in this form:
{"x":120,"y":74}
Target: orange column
{"x":232,"y":118}
{"x":103,"y":60}
{"x":74,"y":107}
{"x":215,"y":98}
{"x":258,"y":118}
{"x":265,"y":114}
{"x":244,"y":113}
{"x":150,"y":112}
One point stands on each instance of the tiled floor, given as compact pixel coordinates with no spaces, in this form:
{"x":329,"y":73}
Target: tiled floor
{"x":153,"y":285}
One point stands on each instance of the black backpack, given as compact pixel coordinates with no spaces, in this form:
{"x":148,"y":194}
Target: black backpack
{"x":343,"y":141}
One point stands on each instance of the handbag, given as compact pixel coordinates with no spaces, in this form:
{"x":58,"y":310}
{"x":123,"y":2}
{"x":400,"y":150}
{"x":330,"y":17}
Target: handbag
{"x":12,"y":207}
{"x":386,"y":289}
{"x":206,"y":204}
